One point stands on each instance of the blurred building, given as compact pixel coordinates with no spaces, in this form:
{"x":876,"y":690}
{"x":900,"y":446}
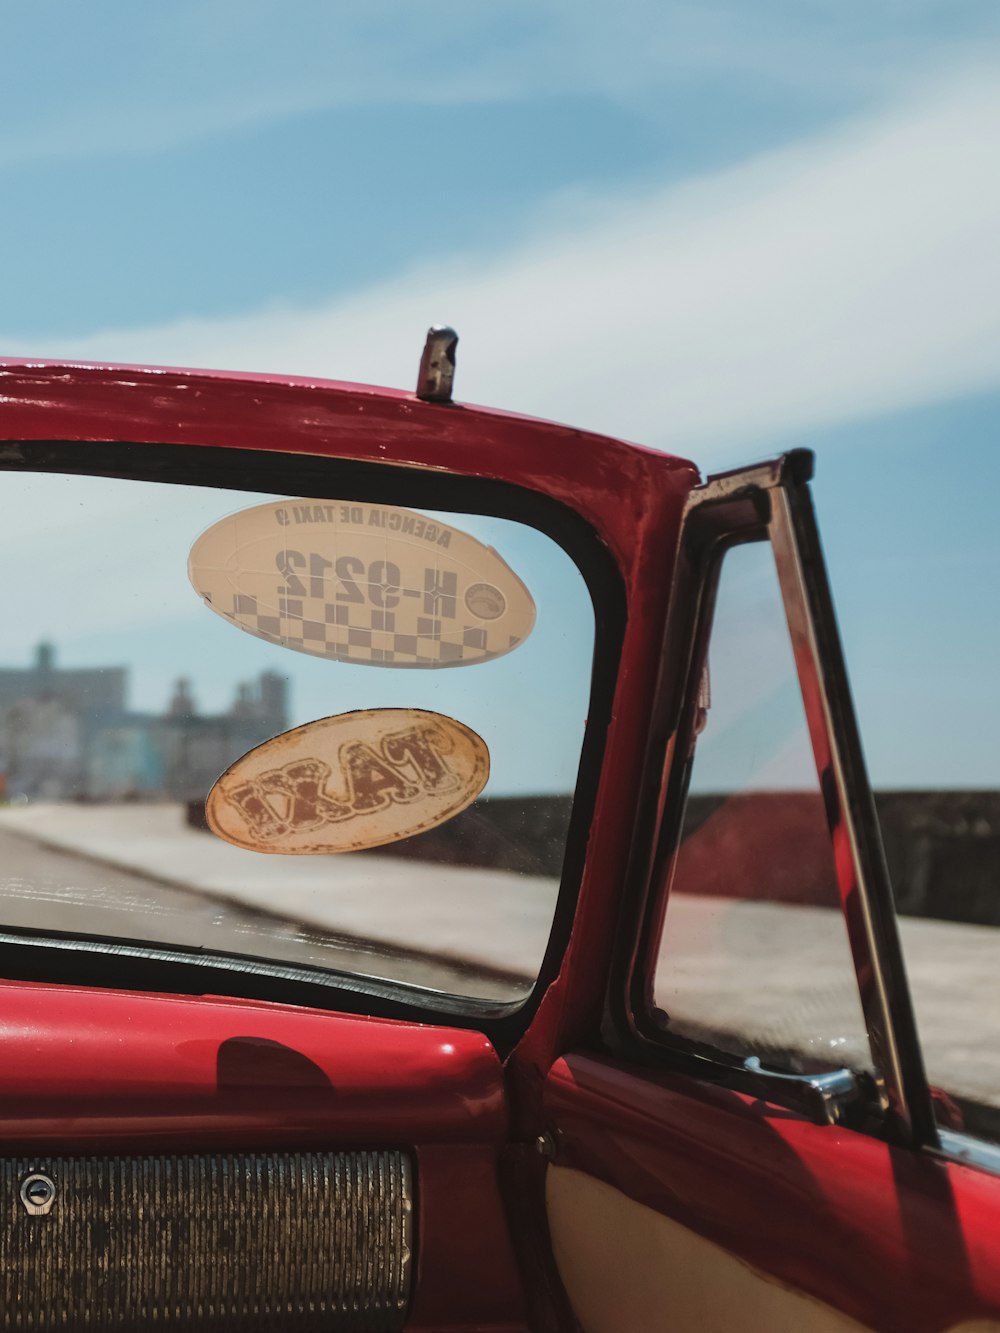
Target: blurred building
{"x":68,"y":734}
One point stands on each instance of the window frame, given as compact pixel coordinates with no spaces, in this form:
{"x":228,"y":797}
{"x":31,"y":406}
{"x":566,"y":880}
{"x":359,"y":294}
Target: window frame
{"x":109,"y":961}
{"x":770,"y":503}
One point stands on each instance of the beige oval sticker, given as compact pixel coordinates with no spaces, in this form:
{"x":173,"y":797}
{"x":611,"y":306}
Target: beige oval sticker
{"x":361,"y":583}
{"x":348,"y":782}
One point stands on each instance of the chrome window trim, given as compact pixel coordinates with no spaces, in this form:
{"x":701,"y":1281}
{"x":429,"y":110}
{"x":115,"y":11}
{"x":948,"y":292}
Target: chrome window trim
{"x":771,"y":503}
{"x":968,"y":1151}
{"x":865,"y":889}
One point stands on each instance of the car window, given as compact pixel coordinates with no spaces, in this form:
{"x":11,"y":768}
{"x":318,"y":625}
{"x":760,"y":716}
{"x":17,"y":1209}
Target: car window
{"x":155,"y":634}
{"x":754,"y":958}
{"x":917,"y":585}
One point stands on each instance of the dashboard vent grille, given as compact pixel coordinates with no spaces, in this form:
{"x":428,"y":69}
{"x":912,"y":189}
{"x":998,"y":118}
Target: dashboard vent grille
{"x":234,"y":1241}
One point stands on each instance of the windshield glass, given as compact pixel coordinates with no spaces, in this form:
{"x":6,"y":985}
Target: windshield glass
{"x":428,"y":673}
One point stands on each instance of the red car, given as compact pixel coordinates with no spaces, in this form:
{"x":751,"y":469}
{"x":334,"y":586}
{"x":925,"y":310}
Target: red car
{"x":443,"y":891}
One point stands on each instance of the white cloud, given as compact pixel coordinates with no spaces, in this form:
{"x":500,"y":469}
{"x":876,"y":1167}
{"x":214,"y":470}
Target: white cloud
{"x":853,"y":274}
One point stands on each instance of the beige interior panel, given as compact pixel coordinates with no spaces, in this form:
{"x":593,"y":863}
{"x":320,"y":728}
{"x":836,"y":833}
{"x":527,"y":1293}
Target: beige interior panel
{"x":627,"y":1267}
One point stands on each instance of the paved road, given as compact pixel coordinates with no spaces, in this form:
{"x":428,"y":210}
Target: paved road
{"x":47,"y":889}
{"x":493,"y":920}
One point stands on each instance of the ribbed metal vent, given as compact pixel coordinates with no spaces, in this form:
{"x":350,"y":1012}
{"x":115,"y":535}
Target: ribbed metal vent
{"x":242,"y":1241}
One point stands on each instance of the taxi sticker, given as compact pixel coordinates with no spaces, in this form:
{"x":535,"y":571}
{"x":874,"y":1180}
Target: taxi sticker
{"x":349,"y":782}
{"x":365,"y":583}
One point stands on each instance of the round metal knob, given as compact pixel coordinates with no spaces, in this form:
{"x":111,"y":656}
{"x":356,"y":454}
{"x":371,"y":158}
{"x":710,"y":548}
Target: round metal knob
{"x":38,"y":1193}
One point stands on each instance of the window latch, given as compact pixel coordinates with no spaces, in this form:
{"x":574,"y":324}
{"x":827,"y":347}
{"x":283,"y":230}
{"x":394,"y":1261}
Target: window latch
{"x":825,"y":1098}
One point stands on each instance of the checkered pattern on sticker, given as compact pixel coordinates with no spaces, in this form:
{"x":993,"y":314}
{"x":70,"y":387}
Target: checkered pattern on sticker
{"x":351,"y":632}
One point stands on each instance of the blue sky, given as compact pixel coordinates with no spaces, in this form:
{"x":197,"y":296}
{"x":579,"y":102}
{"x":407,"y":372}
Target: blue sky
{"x":768,"y":224}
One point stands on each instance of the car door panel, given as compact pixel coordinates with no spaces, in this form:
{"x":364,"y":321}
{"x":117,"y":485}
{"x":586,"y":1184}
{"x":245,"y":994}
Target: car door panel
{"x":668,"y":1278}
{"x":802,"y":1204}
{"x":838,"y":1197}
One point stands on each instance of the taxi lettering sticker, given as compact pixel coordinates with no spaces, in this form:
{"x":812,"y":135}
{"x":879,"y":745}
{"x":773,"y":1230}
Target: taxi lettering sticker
{"x":348,"y":782}
{"x":363,"y":583}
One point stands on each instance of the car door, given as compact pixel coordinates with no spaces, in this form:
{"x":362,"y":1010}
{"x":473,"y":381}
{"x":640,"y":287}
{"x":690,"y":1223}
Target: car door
{"x":254,"y":1078}
{"x":746,"y":1138}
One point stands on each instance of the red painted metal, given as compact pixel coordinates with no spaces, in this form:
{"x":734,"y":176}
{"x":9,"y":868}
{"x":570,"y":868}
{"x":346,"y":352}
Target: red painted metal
{"x":84,"y":1069}
{"x":466,"y":1274}
{"x":902,"y":1241}
{"x":523,"y":1187}
{"x":326,"y":418}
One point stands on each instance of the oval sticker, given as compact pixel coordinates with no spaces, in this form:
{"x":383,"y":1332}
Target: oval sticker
{"x":348,"y":782}
{"x":363,"y":583}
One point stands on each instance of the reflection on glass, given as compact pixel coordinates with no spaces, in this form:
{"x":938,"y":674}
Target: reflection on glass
{"x":754,"y":957}
{"x":123,"y":699}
